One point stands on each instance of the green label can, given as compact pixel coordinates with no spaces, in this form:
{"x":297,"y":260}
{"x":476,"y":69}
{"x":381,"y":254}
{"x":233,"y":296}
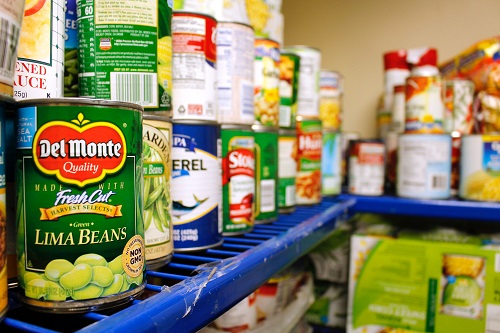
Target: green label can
{"x":288,"y":88}
{"x":331,"y":163}
{"x":125,"y":52}
{"x":157,"y":169}
{"x":80,"y":237}
{"x":266,"y":173}
{"x":287,"y":169}
{"x":238,"y":179}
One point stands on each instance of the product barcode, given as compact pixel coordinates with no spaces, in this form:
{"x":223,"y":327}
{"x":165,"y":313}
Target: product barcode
{"x":139,"y":88}
{"x":267,"y":195}
{"x":9,"y":38}
{"x":439,"y":182}
{"x":247,"y":107}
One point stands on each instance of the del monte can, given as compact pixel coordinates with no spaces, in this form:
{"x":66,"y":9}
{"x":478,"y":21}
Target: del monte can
{"x":80,"y":237}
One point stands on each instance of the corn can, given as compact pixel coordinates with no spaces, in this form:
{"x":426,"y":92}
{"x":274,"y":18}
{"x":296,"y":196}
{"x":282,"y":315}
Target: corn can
{"x":39,"y":68}
{"x":79,"y":216}
{"x":288,"y":88}
{"x":331,"y":164}
{"x":330,"y":99}
{"x":157,"y":169}
{"x":287,"y":170}
{"x":366,"y":167}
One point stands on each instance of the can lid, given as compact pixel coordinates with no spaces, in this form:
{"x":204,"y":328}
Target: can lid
{"x":395,"y":60}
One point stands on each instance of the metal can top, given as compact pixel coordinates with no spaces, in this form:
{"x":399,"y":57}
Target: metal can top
{"x":287,"y":131}
{"x":236,"y":23}
{"x":195,"y":122}
{"x":178,"y":12}
{"x":257,"y":127}
{"x":157,"y":117}
{"x":80,"y":101}
{"x":7,"y":100}
{"x":236,"y":127}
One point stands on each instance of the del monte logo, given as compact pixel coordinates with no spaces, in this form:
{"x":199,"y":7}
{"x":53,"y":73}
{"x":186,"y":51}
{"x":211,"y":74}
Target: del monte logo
{"x":79,"y":152}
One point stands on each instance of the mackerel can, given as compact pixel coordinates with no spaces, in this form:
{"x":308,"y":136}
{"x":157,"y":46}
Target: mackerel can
{"x":288,"y":88}
{"x":39,"y":68}
{"x":157,"y":169}
{"x":4,"y":215}
{"x":238,"y":179}
{"x":287,"y":170}
{"x":366,"y":167}
{"x":424,"y":107}
{"x":309,"y":150}
{"x":235,"y":49}
{"x":11,"y":16}
{"x":194,"y":62}
{"x":424,"y":166}
{"x":266,"y":173}
{"x":70,"y":50}
{"x":196,"y":186}
{"x":331,"y":164}
{"x":79,"y":219}
{"x":310,"y":65}
{"x":125,"y":52}
{"x":266,"y":81}
{"x":330,"y":99}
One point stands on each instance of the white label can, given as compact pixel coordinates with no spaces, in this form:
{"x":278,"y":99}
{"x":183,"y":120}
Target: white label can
{"x":366,"y":167}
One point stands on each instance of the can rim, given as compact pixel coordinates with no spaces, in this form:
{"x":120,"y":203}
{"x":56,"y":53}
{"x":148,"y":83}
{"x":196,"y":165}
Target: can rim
{"x":79,"y":100}
{"x":180,"y":11}
{"x":237,"y":23}
{"x":257,"y":127}
{"x":157,"y":117}
{"x":195,"y":122}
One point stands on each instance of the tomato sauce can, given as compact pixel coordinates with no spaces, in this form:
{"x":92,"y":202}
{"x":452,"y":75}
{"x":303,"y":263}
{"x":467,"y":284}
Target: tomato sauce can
{"x":480,"y":167}
{"x":39,"y":68}
{"x":196,"y":186}
{"x":424,"y":166}
{"x":331,"y":164}
{"x":266,"y":173}
{"x":366,"y":167}
{"x":287,"y":170}
{"x":330,"y":99}
{"x":238,"y":179}
{"x":79,"y":219}
{"x":125,"y":53}
{"x":194,"y":60}
{"x":309,"y":150}
{"x":235,"y":65}
{"x":424,"y":107}
{"x":11,"y":16}
{"x":4,"y":214}
{"x":157,"y":169}
{"x":288,"y":88}
{"x":267,"y":81}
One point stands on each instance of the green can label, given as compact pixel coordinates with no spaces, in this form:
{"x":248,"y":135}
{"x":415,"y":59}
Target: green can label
{"x":80,"y":230}
{"x":266,"y":175}
{"x":288,"y":89}
{"x":125,"y":51}
{"x":309,"y":140}
{"x":287,"y":168}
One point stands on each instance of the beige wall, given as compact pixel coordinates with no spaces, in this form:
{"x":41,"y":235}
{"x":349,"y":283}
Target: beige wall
{"x":354,"y":34}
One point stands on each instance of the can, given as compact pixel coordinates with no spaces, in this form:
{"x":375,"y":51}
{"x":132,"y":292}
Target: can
{"x":346,"y":138}
{"x":157,"y":170}
{"x":398,"y":121}
{"x":310,"y":65}
{"x":366,"y":167}
{"x":125,"y":53}
{"x":266,"y":173}
{"x":424,"y":166}
{"x":456,"y":147}
{"x":331,"y":163}
{"x":458,"y":101}
{"x":331,"y":91}
{"x":480,"y":167}
{"x":267,"y":81}
{"x":287,"y":170}
{"x":238,"y":179}
{"x":4,"y":214}
{"x":194,"y":60}
{"x":79,"y":218}
{"x":196,"y":186}
{"x":235,"y":65}
{"x":391,"y":160}
{"x":424,"y":107}
{"x":288,"y":88}
{"x":70,"y":50}
{"x":11,"y":16}
{"x":39,"y":68}
{"x":309,"y":149}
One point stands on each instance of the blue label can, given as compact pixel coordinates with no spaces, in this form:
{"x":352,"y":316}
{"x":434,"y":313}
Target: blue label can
{"x":196,"y":186}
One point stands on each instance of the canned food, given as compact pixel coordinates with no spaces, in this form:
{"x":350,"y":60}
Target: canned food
{"x":70,"y":50}
{"x":398,"y":121}
{"x":125,"y":53}
{"x":366,"y":167}
{"x":4,"y":214}
{"x":287,"y":170}
{"x":79,"y":219}
{"x":391,"y":160}
{"x":330,"y":99}
{"x":424,"y":108}
{"x":266,"y":173}
{"x":331,"y":178}
{"x":424,"y":166}
{"x":288,"y":88}
{"x":346,"y":138}
{"x":480,"y":167}
{"x":194,"y":62}
{"x":235,"y":65}
{"x":157,"y":169}
{"x":10,"y":28}
{"x":458,"y":101}
{"x":309,"y":144}
{"x":39,"y":68}
{"x":238,"y":179}
{"x":196,"y":186}
{"x":310,"y":65}
{"x":267,"y":81}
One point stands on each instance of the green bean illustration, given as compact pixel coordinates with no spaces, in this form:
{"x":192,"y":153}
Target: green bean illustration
{"x":71,"y":73}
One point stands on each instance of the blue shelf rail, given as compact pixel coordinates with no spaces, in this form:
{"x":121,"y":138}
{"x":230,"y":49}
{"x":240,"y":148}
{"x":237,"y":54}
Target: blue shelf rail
{"x":195,"y":288}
